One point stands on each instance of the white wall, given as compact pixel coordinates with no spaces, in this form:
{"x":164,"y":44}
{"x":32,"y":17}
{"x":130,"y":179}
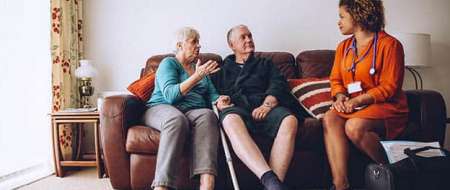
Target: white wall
{"x":120,"y":35}
{"x":25,"y":97}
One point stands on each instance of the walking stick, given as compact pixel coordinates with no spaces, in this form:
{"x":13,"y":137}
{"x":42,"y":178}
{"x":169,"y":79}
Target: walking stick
{"x":227,"y":153}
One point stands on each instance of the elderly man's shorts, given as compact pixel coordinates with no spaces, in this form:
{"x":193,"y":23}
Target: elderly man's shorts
{"x":268,"y":127}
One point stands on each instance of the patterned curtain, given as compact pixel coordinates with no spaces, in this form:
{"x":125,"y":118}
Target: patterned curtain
{"x":66,"y":51}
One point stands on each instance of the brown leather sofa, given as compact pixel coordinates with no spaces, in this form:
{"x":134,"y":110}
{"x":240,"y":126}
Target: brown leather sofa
{"x":130,"y":147}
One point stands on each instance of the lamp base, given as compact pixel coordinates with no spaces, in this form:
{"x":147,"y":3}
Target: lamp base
{"x":86,"y":91}
{"x":85,"y":102}
{"x":87,"y":106}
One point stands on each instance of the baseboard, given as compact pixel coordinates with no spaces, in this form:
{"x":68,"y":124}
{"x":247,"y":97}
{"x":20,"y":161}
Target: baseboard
{"x":26,"y":176}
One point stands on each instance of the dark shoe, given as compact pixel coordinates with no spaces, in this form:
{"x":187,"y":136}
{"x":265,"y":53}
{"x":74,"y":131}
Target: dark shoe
{"x":270,"y":181}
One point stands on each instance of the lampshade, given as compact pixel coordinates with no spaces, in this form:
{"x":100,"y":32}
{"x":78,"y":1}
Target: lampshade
{"x":86,"y":70}
{"x":417,"y":48}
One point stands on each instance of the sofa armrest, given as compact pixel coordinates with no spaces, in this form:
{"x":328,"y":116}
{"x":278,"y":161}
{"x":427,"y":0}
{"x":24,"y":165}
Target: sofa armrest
{"x":117,"y":115}
{"x":427,"y":116}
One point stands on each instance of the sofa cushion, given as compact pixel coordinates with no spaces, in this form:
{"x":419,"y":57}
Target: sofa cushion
{"x":143,"y":87}
{"x":284,"y":61}
{"x":142,"y":140}
{"x":314,"y":94}
{"x":315,"y":63}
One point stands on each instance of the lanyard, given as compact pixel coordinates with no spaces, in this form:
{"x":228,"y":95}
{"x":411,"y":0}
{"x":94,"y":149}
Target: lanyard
{"x":353,"y":48}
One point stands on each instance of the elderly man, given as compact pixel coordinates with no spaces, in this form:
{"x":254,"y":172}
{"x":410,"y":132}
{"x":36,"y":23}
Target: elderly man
{"x":258,"y":103}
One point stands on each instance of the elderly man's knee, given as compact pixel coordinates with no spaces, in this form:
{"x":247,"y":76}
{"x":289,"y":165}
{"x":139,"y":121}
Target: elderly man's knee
{"x":290,"y":125}
{"x":291,"y":119}
{"x":232,"y":117}
{"x":233,"y":124}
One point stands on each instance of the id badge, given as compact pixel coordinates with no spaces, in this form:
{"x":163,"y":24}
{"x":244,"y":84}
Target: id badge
{"x":354,"y":87}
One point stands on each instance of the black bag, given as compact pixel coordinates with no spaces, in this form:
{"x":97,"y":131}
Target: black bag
{"x":414,"y":172}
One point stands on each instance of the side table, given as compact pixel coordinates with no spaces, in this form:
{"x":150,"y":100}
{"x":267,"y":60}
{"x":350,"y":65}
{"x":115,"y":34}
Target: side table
{"x":59,"y":118}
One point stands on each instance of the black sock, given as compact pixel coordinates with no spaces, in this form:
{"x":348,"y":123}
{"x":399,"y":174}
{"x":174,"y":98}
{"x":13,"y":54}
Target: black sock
{"x":271,"y":181}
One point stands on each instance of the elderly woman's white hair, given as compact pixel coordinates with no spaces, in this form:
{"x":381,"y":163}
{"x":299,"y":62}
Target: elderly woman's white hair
{"x":186,"y":33}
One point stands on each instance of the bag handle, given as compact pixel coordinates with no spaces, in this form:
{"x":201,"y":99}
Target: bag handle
{"x":413,"y":152}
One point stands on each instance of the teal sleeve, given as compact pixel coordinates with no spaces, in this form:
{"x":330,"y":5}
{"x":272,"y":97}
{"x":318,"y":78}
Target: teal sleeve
{"x":167,"y":78}
{"x":213,"y":95}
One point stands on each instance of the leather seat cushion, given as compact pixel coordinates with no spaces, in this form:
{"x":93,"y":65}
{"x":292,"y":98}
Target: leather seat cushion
{"x":142,"y":140}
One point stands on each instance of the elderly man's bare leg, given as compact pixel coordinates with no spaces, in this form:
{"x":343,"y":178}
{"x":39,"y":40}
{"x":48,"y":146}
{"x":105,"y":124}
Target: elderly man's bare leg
{"x":246,"y":149}
{"x":243,"y":145}
{"x":283,"y":146}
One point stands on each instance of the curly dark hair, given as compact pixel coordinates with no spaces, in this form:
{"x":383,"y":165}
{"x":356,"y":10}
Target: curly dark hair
{"x":369,"y":14}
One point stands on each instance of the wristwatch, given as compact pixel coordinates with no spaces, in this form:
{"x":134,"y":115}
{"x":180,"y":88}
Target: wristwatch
{"x":267,"y":104}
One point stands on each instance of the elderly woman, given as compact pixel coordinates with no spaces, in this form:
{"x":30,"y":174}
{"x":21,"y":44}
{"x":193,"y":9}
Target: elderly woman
{"x":179,"y":109}
{"x":366,"y":82}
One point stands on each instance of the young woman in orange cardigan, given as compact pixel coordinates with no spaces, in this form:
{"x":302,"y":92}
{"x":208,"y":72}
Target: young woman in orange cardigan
{"x":366,"y":81}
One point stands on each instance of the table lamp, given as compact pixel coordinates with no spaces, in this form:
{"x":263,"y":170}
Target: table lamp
{"x":417,"y":48}
{"x":85,"y":73}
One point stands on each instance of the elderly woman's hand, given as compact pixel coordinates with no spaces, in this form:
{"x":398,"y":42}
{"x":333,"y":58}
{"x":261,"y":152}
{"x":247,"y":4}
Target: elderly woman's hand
{"x":207,"y":68}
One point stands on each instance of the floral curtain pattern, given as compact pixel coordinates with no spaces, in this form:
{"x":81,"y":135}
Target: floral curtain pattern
{"x":66,"y":51}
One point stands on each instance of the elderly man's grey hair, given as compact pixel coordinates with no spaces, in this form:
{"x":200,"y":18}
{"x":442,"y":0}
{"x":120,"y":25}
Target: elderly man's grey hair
{"x":231,"y":31}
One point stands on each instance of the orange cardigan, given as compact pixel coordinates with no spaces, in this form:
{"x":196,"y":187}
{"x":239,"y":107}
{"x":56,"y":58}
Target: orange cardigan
{"x":385,"y":86}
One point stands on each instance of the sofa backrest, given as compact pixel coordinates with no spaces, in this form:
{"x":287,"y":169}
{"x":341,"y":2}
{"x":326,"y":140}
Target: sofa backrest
{"x":310,"y":63}
{"x":315,"y":63}
{"x":153,"y":62}
{"x":283,"y":60}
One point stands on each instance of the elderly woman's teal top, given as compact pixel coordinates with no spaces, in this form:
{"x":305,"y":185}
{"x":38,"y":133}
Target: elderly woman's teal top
{"x":169,"y":75}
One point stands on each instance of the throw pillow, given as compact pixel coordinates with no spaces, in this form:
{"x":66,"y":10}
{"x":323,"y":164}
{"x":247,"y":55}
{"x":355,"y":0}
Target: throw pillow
{"x":143,"y":87}
{"x":314,"y":94}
